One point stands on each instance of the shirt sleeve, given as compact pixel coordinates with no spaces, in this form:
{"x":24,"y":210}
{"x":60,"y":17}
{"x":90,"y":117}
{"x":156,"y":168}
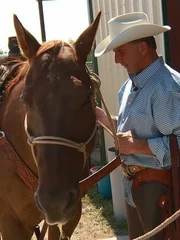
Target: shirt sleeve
{"x":166,"y":112}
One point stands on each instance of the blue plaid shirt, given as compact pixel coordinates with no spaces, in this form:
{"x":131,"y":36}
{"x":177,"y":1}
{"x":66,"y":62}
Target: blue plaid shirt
{"x":151,"y":110}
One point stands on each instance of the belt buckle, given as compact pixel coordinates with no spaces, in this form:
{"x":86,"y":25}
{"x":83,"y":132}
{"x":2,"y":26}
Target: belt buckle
{"x":125,"y":171}
{"x":129,"y":172}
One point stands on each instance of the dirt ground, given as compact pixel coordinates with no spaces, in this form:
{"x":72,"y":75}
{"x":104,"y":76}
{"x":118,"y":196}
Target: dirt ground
{"x":91,"y":226}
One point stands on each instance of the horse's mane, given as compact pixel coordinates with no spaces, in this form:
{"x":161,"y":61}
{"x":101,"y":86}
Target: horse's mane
{"x":23,"y":64}
{"x":52,"y":44}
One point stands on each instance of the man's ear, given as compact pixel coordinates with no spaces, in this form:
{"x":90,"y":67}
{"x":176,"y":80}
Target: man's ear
{"x":143,"y":48}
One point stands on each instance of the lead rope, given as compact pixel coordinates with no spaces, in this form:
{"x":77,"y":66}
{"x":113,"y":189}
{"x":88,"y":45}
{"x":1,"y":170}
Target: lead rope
{"x":97,"y":82}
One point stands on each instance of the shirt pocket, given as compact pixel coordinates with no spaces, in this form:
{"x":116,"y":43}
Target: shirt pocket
{"x":142,"y":125}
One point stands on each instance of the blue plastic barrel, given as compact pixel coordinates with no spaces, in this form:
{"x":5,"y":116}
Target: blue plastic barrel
{"x":104,"y":185}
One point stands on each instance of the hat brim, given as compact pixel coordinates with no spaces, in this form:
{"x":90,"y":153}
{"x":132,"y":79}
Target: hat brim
{"x":128,"y":35}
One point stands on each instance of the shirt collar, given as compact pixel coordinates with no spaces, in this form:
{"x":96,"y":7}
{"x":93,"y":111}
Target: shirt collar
{"x":140,"y":79}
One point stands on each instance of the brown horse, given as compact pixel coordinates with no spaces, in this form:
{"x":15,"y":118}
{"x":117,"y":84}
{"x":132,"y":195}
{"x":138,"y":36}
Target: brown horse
{"x":50,"y":104}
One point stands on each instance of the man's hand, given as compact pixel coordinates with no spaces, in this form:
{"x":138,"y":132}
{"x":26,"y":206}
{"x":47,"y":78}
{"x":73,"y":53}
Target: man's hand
{"x":100,"y":116}
{"x":128,"y":144}
{"x":102,"y":120}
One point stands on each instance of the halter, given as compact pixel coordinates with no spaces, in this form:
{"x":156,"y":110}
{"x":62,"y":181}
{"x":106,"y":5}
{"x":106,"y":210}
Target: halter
{"x":81,"y":147}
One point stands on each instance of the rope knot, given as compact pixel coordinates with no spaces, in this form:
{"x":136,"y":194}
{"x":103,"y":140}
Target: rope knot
{"x":30,"y":140}
{"x":95,"y":80}
{"x":82,"y":147}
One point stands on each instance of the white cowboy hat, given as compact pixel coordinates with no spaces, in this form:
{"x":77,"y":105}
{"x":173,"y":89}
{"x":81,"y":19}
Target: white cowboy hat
{"x":126,"y":28}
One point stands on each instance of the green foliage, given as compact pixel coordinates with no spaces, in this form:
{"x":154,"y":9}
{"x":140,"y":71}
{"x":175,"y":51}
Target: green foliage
{"x":1,"y":51}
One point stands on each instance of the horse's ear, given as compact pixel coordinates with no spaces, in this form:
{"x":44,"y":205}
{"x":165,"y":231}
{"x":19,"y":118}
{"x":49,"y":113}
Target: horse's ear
{"x":27,"y":42}
{"x":85,"y":41}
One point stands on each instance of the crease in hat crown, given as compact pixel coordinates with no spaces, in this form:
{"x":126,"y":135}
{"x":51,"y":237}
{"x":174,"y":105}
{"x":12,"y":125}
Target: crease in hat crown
{"x":126,"y":28}
{"x":114,"y":24}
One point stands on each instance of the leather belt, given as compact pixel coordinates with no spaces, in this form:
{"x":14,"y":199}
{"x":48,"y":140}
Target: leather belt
{"x":150,"y":175}
{"x":141,"y":174}
{"x":130,"y":170}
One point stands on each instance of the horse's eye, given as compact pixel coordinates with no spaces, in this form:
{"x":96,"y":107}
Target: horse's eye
{"x":26,"y":99}
{"x":22,"y":98}
{"x":89,"y":96}
{"x":88,"y":99}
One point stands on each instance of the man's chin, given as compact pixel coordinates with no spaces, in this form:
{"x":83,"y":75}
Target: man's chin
{"x":131,"y":72}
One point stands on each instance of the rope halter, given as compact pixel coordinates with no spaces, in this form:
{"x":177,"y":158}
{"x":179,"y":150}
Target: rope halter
{"x":81,"y":147}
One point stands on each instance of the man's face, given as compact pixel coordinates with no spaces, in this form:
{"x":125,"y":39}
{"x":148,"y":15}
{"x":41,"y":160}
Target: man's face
{"x":130,"y":56}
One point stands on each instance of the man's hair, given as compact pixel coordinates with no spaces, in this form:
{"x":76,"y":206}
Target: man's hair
{"x":151,"y":42}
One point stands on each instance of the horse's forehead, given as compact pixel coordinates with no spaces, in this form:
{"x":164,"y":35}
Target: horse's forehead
{"x":57,"y":51}
{"x":54,"y":69}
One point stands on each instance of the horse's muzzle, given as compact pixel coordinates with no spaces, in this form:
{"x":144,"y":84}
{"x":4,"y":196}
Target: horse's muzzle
{"x":57,"y":209}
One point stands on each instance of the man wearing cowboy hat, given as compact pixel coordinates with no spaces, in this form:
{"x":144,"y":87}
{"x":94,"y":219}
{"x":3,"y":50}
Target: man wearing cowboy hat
{"x":149,"y":112}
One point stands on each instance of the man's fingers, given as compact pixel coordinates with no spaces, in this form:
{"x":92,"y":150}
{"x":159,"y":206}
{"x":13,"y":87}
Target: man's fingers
{"x":124,"y":134}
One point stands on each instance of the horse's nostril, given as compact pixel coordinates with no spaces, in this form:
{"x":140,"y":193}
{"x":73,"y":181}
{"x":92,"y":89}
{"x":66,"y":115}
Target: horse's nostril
{"x":38,"y":203}
{"x":72,"y":199}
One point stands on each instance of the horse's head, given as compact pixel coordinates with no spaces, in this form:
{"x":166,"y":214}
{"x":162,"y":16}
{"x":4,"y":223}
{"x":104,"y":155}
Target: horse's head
{"x":60,"y":117}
